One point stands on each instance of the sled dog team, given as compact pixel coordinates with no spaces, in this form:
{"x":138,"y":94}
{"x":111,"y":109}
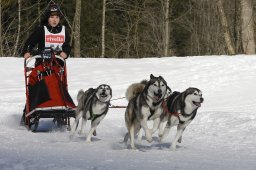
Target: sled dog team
{"x":148,"y":100}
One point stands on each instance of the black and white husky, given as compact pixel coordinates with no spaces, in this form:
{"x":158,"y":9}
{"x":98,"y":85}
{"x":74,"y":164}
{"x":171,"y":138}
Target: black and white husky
{"x":180,"y":109}
{"x":93,"y":104}
{"x":143,"y":106}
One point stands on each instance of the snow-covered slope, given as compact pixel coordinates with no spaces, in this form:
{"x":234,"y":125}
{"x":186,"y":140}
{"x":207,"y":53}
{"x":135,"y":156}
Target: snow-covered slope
{"x":222,"y":136}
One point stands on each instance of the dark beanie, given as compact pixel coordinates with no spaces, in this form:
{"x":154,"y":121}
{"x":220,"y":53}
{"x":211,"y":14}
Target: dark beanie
{"x":53,"y":9}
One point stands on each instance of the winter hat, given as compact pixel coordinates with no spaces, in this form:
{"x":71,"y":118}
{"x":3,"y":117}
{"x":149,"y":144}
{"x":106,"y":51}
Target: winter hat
{"x":53,"y":9}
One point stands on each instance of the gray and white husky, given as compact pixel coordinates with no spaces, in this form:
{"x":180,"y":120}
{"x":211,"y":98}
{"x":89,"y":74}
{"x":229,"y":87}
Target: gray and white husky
{"x":143,"y":106}
{"x":155,"y":128}
{"x":180,"y":110}
{"x":93,"y":104}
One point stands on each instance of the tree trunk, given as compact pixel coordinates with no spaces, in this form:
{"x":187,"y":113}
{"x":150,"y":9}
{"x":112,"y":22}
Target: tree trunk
{"x":18,"y":31}
{"x":225,"y":27}
{"x":1,"y":36}
{"x":38,"y":11}
{"x":247,"y":27}
{"x":167,"y":33}
{"x":103,"y":29}
{"x":77,"y":19}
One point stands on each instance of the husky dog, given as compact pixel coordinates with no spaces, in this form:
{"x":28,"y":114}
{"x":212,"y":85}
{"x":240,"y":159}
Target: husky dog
{"x":180,"y":110}
{"x":93,"y":104}
{"x":146,"y":105}
{"x":167,"y":94}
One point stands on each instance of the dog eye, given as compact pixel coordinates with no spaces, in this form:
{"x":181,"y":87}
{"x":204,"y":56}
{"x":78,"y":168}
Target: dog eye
{"x":155,"y":85}
{"x":195,"y":93}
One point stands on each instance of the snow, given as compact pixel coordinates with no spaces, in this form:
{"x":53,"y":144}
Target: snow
{"x":222,"y":135}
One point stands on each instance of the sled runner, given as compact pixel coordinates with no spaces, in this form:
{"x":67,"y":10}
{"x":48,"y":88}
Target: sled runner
{"x":47,"y":90}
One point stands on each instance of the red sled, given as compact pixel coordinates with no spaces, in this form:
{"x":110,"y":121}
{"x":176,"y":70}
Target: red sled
{"x":47,"y":91}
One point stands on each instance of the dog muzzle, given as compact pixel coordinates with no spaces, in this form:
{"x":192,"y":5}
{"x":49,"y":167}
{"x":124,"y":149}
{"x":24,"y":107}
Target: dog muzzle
{"x":198,"y":104}
{"x":103,"y":95}
{"x":157,"y":96}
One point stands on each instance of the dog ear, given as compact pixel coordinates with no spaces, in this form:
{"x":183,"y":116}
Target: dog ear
{"x":110,"y":90}
{"x":163,"y":80}
{"x":152,"y":76}
{"x":145,"y":82}
{"x":169,"y":89}
{"x":151,"y":80}
{"x":98,"y":87}
{"x":182,"y":101}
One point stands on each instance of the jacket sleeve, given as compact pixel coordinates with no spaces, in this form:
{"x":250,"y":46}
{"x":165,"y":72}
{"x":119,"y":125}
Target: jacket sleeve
{"x":66,"y":45}
{"x":33,"y":40}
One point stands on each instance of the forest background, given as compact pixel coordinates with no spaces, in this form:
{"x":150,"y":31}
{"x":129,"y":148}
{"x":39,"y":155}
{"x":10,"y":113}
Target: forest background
{"x":138,"y":28}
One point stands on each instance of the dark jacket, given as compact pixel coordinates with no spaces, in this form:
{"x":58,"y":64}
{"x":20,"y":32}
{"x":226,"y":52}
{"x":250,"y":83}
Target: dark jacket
{"x":38,"y":38}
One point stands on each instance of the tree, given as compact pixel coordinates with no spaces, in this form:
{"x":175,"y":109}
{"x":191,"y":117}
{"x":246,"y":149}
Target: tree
{"x":248,"y":40}
{"x":167,"y":34}
{"x":1,"y":36}
{"x":138,"y":28}
{"x":18,"y":31}
{"x":103,"y":29}
{"x":225,"y":27}
{"x":77,"y":49}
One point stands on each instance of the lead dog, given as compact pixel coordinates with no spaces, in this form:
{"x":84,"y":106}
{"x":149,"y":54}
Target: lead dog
{"x":180,"y":110}
{"x":146,"y":105}
{"x":93,"y":104}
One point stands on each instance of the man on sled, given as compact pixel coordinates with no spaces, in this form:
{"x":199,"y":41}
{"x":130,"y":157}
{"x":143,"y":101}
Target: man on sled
{"x":46,"y":85}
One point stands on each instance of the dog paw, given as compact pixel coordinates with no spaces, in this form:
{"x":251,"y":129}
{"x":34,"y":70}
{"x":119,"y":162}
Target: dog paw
{"x":71,"y":136}
{"x":173,"y":148}
{"x":180,"y":139}
{"x":88,"y":141}
{"x":150,"y":139}
{"x":160,"y":135}
{"x":133,"y":147}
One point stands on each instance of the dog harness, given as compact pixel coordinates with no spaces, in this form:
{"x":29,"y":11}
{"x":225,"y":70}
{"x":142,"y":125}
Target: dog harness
{"x":151,"y":114}
{"x":168,"y":105}
{"x":170,"y":99}
{"x":176,"y":114}
{"x":95,"y":116}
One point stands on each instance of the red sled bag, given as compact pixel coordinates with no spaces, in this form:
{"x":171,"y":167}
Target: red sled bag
{"x":47,"y":88}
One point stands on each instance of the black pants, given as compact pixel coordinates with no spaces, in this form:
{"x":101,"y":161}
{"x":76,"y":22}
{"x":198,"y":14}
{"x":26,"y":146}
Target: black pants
{"x":22,"y":120}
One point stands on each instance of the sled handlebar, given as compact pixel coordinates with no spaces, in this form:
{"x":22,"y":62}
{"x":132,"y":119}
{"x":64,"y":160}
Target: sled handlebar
{"x":27,"y":60}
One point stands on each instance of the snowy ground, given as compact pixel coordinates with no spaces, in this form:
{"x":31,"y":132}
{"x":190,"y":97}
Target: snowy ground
{"x":222,"y":136}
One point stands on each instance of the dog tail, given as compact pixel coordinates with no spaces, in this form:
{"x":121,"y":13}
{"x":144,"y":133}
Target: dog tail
{"x":134,"y":89}
{"x":145,"y":82}
{"x":80,"y":94}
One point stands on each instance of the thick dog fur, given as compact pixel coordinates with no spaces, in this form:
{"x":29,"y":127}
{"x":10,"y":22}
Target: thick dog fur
{"x":134,"y":89}
{"x":181,"y":110}
{"x":93,"y":104}
{"x":143,"y":106}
